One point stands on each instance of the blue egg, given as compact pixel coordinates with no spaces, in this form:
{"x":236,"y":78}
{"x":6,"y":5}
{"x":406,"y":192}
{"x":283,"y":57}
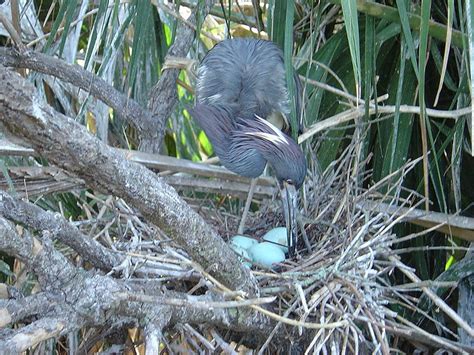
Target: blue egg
{"x":242,"y":241}
{"x":267,"y":254}
{"x":278,"y":237}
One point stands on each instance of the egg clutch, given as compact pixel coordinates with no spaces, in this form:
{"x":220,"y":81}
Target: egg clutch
{"x":268,"y":253}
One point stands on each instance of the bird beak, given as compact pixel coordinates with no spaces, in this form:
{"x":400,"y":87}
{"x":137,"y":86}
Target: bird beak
{"x":289,"y":199}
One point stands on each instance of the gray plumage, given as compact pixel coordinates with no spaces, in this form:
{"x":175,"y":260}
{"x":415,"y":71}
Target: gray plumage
{"x":245,"y":146}
{"x":238,"y":80}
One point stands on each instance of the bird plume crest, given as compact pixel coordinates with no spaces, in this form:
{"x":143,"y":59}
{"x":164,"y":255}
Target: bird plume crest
{"x":276,"y":136}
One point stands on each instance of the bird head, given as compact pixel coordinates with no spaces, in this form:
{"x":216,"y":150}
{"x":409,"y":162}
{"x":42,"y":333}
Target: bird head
{"x":282,"y":153}
{"x":285,"y":158}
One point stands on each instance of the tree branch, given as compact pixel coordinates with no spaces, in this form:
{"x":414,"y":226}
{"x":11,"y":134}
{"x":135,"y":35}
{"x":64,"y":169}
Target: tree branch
{"x":127,"y":108}
{"x":164,"y":94}
{"x":68,"y":145}
{"x":74,"y":298}
{"x":38,"y":219}
{"x":12,"y":311}
{"x":32,"y":334}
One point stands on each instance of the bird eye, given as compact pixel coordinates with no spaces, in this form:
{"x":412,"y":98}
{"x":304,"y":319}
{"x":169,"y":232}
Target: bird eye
{"x":289,"y":181}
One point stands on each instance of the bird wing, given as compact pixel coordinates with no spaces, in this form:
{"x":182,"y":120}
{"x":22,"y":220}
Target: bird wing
{"x":246,"y":75}
{"x":217,"y":123}
{"x":235,"y":154}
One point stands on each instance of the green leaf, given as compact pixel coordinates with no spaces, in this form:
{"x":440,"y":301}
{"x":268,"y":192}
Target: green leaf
{"x":394,"y":135}
{"x":313,"y":71}
{"x":205,"y":143}
{"x":438,"y":60}
{"x":65,"y":15}
{"x":276,"y":23}
{"x":6,"y":175}
{"x":349,"y":11}
{"x":401,"y":5}
{"x":5,"y":269}
{"x":99,"y":21}
{"x":470,"y":36}
{"x":370,"y":85}
{"x":425,"y":17}
{"x":288,"y":55}
{"x":450,"y":262}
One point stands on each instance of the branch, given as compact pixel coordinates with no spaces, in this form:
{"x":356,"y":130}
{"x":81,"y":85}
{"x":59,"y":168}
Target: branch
{"x":460,"y":226}
{"x":51,"y":179}
{"x":164,"y":94}
{"x":159,"y":162}
{"x":127,"y":108}
{"x":38,"y":219}
{"x":31,"y":335}
{"x":153,"y":336}
{"x":76,"y":298}
{"x":354,"y":113}
{"x":436,"y":30}
{"x":68,"y":145}
{"x":12,"y":311}
{"x":15,"y":36}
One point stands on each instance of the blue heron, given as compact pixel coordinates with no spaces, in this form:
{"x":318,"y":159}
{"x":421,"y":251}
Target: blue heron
{"x":243,"y":106}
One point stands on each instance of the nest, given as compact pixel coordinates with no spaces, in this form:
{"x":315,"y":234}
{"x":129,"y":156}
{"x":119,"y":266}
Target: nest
{"x":334,"y":296}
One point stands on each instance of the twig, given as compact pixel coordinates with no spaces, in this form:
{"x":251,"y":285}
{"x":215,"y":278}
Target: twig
{"x":431,"y":337}
{"x":438,"y":301}
{"x":15,"y":36}
{"x":353,"y":114}
{"x":193,"y":303}
{"x":270,"y":314}
{"x":226,"y":347}
{"x":153,"y":337}
{"x":253,"y":183}
{"x":459,"y":226}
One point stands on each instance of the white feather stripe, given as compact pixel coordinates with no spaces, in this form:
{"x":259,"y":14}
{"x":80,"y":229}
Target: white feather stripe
{"x":275,"y":139}
{"x":273,"y":128}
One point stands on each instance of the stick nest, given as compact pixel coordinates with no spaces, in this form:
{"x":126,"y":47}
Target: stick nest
{"x":336,"y":295}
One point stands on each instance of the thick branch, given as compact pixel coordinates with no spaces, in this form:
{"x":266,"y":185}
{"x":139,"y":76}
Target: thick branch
{"x":36,"y":218}
{"x":67,"y":144}
{"x":12,"y":311}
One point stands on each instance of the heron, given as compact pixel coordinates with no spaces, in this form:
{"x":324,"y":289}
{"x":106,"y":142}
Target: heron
{"x":243,"y":105}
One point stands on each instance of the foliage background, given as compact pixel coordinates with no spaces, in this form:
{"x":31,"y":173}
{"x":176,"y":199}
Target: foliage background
{"x":349,"y":53}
